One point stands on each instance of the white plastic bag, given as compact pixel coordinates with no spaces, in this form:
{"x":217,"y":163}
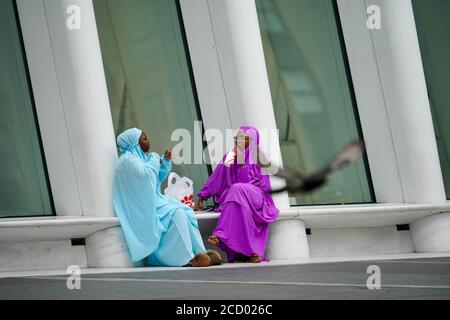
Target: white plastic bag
{"x":181,"y":189}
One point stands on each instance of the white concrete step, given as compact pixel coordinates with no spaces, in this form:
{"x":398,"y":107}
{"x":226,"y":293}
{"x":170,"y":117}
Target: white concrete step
{"x":333,"y":216}
{"x":363,"y":215}
{"x":404,"y":257}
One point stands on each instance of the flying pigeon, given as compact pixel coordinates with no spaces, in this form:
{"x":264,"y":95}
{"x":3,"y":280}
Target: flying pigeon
{"x":297,"y":183}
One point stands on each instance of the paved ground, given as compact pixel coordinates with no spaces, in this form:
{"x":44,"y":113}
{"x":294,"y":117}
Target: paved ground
{"x":400,"y":279}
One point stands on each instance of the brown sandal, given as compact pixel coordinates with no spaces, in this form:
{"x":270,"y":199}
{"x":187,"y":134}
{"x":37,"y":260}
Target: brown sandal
{"x":200,"y":260}
{"x":255,"y":258}
{"x":214,"y":240}
{"x":214,"y":257}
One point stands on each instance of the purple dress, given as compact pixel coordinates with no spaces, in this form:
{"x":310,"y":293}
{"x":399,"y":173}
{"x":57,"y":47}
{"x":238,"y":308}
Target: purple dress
{"x":246,"y":206}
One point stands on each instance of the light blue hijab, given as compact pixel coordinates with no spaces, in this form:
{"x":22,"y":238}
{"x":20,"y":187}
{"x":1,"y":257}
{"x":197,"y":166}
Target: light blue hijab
{"x":128,"y":141}
{"x":135,"y":183}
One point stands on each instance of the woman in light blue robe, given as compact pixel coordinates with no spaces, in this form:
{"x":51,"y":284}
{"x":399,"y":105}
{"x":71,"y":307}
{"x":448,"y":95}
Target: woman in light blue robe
{"x":158,"y":230}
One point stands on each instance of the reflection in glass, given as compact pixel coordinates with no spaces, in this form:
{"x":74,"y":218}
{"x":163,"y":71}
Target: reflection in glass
{"x":311,"y":96}
{"x":433,"y":28}
{"x":23,"y":183}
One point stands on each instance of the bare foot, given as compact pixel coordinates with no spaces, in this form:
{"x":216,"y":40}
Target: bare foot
{"x":214,"y":240}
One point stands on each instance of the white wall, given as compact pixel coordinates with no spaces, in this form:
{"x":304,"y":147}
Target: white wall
{"x":359,"y":241}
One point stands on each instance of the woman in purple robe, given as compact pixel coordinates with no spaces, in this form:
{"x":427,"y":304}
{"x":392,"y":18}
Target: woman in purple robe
{"x":241,"y":189}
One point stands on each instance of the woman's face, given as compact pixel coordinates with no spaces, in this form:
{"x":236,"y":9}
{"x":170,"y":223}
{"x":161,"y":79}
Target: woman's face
{"x":242,"y":141}
{"x":144,"y":142}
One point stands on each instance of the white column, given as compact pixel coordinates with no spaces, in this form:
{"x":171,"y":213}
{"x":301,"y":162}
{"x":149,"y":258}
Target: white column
{"x":85,"y":103}
{"x":403,"y":81}
{"x":49,"y":108}
{"x":402,"y":76}
{"x":391,"y":93}
{"x":432,"y":234}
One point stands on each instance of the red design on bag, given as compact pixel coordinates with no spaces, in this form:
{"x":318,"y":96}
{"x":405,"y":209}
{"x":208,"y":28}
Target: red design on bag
{"x":189,"y":201}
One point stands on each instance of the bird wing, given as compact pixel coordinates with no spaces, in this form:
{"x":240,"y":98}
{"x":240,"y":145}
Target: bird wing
{"x":346,"y":156}
{"x":294,"y":179}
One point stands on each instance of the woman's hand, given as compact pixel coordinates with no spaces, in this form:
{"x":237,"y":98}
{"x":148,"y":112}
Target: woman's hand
{"x":199,"y":205}
{"x":168,"y":154}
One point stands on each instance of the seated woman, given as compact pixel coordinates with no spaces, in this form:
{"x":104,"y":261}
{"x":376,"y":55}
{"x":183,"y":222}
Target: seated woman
{"x":241,"y":189}
{"x":158,"y":230}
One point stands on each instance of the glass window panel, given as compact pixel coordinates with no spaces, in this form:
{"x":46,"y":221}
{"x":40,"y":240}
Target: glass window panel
{"x":147,"y":72}
{"x":433,"y":28}
{"x":311,"y":94}
{"x":23,"y":182}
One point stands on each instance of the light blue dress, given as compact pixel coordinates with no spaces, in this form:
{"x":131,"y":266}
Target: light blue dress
{"x":158,"y":230}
